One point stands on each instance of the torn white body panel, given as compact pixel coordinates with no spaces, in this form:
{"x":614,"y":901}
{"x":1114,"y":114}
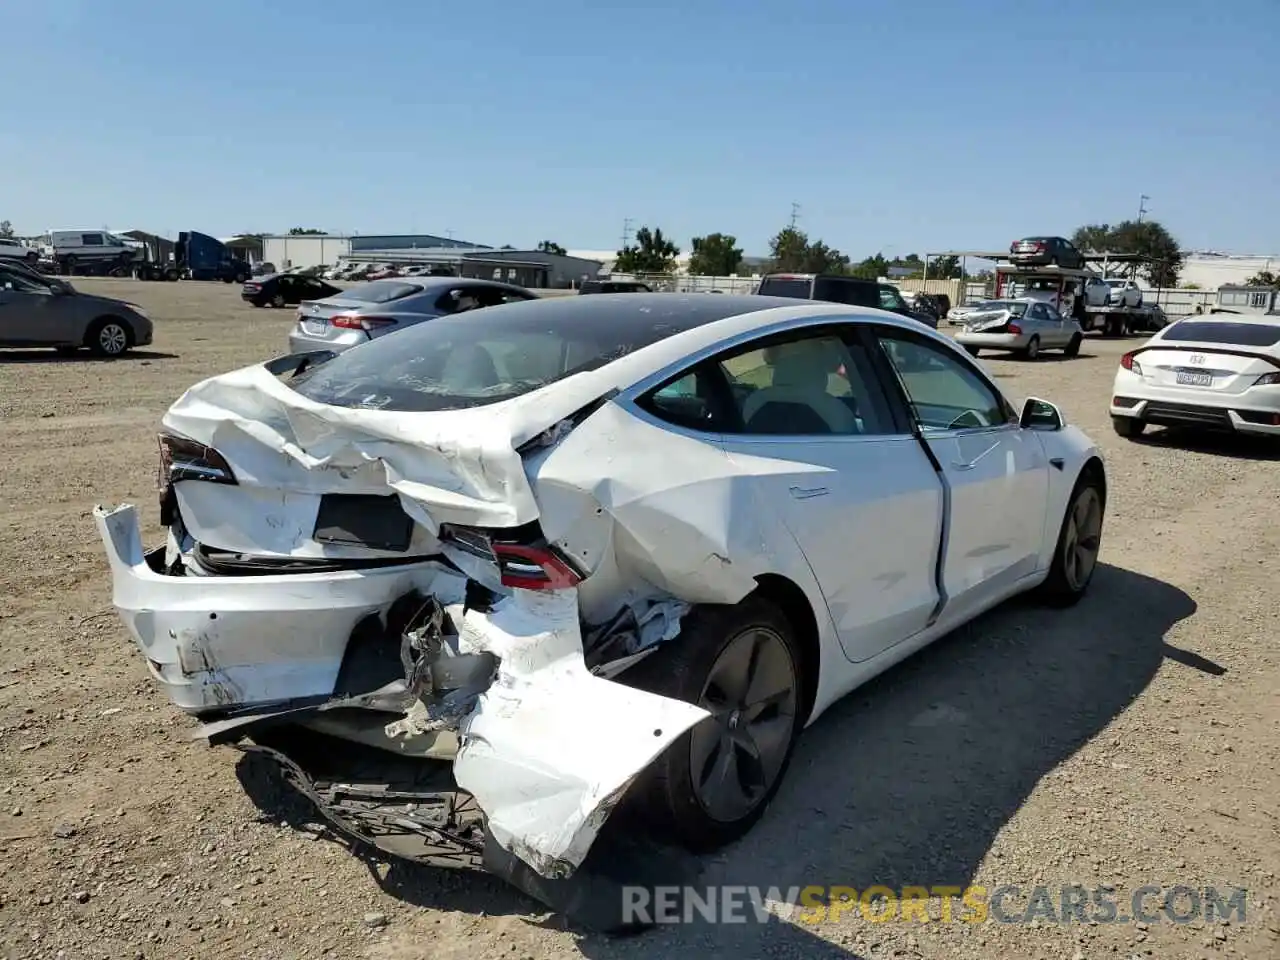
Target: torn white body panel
{"x":547,"y":751}
{"x":462,"y":463}
{"x":550,"y":748}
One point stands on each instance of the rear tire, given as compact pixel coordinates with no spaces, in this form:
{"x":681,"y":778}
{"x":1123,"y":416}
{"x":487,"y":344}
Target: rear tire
{"x":1073,"y":348}
{"x":1075,"y":556}
{"x":277,"y":300}
{"x":743,"y":664}
{"x":1128,"y":427}
{"x":1032,"y":349}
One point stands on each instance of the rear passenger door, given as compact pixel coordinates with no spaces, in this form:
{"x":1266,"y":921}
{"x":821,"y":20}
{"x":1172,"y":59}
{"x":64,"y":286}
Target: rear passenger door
{"x":804,"y":418}
{"x":995,"y":472}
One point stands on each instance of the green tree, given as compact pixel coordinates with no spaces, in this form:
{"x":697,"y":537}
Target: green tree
{"x":871,"y":268}
{"x":1147,"y":238}
{"x":715,"y":255}
{"x":306,"y":232}
{"x":6,"y":229}
{"x":651,"y":253}
{"x":550,"y":246}
{"x":945,"y":268}
{"x":792,"y":251}
{"x":1263,"y":278}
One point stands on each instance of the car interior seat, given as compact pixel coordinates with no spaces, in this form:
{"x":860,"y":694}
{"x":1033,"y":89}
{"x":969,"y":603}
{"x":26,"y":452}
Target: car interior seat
{"x":797,"y":400}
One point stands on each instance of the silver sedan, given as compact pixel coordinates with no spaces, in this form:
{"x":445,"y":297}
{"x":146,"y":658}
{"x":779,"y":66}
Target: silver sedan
{"x":1021,"y":326}
{"x":379,"y":307}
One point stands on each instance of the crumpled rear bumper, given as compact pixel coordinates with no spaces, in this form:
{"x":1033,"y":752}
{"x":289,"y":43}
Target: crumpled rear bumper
{"x":546,"y":751}
{"x":215,"y":643}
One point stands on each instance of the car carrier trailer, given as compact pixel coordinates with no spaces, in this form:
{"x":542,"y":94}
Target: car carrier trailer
{"x":1069,"y":290}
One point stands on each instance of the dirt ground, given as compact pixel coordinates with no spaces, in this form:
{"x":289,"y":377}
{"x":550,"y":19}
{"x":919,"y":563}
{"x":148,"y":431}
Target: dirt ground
{"x":1132,"y":741}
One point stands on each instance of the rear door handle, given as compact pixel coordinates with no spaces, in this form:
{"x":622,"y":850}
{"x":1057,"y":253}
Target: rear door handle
{"x":804,"y":493}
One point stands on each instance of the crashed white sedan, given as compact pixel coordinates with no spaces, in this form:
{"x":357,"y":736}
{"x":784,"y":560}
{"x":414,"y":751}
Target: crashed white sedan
{"x":545,"y":555}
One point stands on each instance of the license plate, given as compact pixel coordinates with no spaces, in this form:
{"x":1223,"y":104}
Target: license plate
{"x":1194,"y":378}
{"x":311,"y":325}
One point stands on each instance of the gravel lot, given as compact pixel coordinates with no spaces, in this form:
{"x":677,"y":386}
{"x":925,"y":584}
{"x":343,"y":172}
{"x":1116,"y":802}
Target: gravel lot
{"x":1133,"y":740}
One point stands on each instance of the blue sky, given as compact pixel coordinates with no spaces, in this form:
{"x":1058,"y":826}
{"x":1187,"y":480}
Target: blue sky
{"x":917,"y":126}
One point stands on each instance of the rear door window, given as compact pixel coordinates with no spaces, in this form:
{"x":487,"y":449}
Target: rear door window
{"x":801,"y":288}
{"x":382,"y":291}
{"x":1223,"y":332}
{"x":891,"y":299}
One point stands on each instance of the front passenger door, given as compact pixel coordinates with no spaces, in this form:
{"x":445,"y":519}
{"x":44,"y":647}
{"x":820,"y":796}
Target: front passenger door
{"x":995,"y":472}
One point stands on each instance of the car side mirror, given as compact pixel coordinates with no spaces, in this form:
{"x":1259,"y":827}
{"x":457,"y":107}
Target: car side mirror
{"x":60,"y":289}
{"x":1040,"y":414}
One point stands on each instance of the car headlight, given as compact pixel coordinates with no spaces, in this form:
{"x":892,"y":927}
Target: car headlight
{"x":1267,"y":379}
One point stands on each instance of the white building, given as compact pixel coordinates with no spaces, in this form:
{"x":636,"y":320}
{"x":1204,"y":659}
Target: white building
{"x":1209,"y":270}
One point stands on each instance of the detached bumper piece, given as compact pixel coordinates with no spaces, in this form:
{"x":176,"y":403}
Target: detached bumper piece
{"x":426,"y":819}
{"x":411,"y":821}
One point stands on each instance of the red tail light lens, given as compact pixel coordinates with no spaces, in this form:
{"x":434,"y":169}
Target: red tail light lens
{"x":1013,"y":327}
{"x":352,"y":321}
{"x":533,"y":568}
{"x":1127,"y":361}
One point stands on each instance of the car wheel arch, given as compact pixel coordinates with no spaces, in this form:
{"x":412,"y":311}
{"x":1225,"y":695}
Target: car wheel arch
{"x":1093,"y":467}
{"x":794,"y":604}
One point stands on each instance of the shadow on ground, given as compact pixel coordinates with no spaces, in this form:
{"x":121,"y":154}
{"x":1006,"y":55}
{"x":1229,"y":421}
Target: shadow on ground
{"x":905,"y":782}
{"x":80,"y":356}
{"x":1234,"y":445}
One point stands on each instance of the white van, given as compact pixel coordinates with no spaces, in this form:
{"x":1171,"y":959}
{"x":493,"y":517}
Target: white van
{"x":94,"y":249}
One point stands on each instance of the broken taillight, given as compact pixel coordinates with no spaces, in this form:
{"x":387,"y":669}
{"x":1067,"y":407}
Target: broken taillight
{"x":184,"y":459}
{"x":533,"y":568}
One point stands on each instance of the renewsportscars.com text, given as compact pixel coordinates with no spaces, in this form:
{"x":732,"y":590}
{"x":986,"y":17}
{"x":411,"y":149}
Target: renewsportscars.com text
{"x":1008,"y":903}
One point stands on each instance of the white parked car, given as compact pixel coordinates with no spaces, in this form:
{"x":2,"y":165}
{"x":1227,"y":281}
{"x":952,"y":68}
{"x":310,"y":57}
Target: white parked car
{"x":1220,"y":373}
{"x":1024,"y":326}
{"x":1097,"y":292}
{"x":1124,"y":293}
{"x":556,"y":552}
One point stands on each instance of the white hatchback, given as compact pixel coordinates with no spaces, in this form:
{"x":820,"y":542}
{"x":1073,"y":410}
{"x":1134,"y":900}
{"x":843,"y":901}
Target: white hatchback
{"x":1202,"y":372}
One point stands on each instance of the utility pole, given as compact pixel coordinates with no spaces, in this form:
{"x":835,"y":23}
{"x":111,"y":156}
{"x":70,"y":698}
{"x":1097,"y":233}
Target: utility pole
{"x":626,"y":233}
{"x":1142,"y":206}
{"x":795,"y":214}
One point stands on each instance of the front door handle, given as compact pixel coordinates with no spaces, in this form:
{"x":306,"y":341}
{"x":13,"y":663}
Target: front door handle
{"x":804,"y":493}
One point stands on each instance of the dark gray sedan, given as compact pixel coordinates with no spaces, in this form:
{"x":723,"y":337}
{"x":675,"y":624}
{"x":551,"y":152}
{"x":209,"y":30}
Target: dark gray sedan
{"x":40,"y":311}
{"x":379,"y":307}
